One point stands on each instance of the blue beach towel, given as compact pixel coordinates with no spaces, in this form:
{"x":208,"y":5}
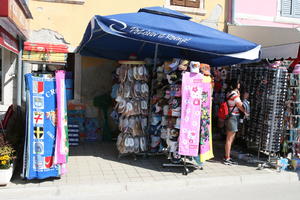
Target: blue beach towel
{"x":40,"y":128}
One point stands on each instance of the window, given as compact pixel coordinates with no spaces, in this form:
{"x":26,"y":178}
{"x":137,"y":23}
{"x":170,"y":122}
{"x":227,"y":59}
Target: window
{"x":195,"y":7}
{"x":290,"y":8}
{"x":186,"y":3}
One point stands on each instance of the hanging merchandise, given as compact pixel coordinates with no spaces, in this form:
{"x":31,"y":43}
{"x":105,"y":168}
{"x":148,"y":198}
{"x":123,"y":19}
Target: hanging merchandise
{"x":206,"y":151}
{"x":267,"y":84}
{"x":46,"y":144}
{"x":191,"y":114}
{"x":165,"y":109}
{"x":61,"y":142}
{"x":132,"y":106}
{"x":196,"y":114}
{"x":177,"y":124}
{"x":292,"y":116}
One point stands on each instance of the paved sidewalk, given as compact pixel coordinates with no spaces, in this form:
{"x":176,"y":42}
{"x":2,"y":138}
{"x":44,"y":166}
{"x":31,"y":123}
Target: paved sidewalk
{"x":97,"y":164}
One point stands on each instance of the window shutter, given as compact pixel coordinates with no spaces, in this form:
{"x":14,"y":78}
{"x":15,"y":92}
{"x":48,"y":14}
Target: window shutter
{"x":178,"y":2}
{"x":192,"y":3}
{"x":286,"y":7}
{"x":296,"y":8}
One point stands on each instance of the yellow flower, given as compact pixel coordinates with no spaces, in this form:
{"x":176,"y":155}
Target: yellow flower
{"x":6,"y":157}
{"x":3,"y":162}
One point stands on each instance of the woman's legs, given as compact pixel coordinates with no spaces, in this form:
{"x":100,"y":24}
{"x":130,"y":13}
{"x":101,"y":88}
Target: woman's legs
{"x":229,"y":140}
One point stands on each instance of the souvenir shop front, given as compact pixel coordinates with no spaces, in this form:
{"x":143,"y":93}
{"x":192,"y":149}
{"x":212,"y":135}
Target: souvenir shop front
{"x":162,"y":95}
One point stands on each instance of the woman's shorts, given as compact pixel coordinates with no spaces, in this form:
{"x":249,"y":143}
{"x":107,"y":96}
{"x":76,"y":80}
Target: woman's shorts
{"x":232,"y":123}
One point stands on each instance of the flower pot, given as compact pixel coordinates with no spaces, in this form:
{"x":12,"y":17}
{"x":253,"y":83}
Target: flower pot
{"x":5,"y":175}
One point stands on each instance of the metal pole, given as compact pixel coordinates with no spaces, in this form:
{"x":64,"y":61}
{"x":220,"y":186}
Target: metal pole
{"x":273,"y":114}
{"x":261,"y":133}
{"x":155,"y":56}
{"x":19,"y":76}
{"x":151,"y":90}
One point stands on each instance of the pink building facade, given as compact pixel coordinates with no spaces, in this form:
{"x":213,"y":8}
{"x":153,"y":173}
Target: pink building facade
{"x":275,"y":24}
{"x":274,"y":13}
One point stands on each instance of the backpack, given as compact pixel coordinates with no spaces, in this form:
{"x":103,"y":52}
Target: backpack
{"x":223,"y":111}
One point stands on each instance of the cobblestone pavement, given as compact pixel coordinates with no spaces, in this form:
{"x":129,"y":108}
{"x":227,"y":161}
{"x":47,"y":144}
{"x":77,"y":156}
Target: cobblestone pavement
{"x":98,"y":163}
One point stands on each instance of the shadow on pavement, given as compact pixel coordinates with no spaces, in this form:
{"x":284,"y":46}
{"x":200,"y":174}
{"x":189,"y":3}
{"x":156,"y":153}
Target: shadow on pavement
{"x":107,"y":151}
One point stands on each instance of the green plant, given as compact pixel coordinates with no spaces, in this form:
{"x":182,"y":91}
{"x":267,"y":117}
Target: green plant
{"x":7,"y":156}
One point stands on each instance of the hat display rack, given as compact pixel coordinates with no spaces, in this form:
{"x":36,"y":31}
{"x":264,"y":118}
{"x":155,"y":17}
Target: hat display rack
{"x":291,"y":141}
{"x":267,"y":86}
{"x":148,"y":109}
{"x":165,"y":117}
{"x":132,"y":107}
{"x":165,"y":110}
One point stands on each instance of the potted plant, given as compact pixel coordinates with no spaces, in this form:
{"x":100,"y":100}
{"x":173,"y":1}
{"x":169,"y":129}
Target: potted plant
{"x":7,"y":156}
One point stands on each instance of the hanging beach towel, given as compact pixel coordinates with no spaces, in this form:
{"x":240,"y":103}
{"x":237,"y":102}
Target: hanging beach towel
{"x":206,"y":151}
{"x":61,"y":143}
{"x":41,"y":128}
{"x":190,"y":114}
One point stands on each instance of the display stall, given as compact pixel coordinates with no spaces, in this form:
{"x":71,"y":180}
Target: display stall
{"x":164,"y":34}
{"x":267,"y":87}
{"x":271,"y":130}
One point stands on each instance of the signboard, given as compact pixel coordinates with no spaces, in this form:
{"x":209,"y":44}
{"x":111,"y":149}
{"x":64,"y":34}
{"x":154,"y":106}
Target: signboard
{"x":11,"y":9}
{"x":8,"y":41}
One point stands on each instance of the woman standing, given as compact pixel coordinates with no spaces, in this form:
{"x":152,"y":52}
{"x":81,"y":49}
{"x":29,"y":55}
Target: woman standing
{"x":235,"y":105}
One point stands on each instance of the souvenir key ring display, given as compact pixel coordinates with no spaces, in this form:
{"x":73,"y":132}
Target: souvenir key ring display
{"x":132,"y":106}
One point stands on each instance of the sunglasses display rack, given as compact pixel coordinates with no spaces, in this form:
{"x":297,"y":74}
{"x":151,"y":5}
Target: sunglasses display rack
{"x":292,"y":117}
{"x":132,"y":107}
{"x":267,"y":87}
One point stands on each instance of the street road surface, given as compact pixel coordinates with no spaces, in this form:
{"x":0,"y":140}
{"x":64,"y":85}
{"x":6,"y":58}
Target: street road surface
{"x":285,"y":191}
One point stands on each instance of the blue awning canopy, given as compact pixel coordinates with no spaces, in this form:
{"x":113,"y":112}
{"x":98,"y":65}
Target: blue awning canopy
{"x":118,"y":36}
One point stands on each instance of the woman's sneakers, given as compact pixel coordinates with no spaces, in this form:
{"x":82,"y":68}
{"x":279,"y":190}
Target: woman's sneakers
{"x":229,"y":161}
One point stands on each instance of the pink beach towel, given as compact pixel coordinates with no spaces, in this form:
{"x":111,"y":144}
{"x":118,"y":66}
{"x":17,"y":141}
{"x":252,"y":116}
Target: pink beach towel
{"x":190,"y":114}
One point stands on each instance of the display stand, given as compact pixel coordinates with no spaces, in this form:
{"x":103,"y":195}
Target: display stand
{"x":183,"y":163}
{"x":132,"y":106}
{"x":180,"y":162}
{"x":268,"y":163}
{"x":267,"y":89}
{"x":292,"y":135}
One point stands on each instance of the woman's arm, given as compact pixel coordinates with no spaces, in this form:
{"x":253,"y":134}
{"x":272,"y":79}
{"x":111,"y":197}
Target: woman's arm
{"x":239,"y":105}
{"x":241,"y":108}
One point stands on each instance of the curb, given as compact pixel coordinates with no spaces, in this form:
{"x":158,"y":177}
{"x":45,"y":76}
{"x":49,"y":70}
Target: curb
{"x":283,"y":177}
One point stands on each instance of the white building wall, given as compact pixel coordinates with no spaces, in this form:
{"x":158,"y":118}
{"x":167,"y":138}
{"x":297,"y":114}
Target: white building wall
{"x":9,"y":93}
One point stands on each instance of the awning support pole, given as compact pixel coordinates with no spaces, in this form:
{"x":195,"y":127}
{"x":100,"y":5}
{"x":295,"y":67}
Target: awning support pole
{"x":151,"y":91}
{"x":155,"y":56}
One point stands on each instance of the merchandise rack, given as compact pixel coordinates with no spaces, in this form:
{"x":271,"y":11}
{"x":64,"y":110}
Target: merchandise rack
{"x":133,"y":132}
{"x":182,"y":162}
{"x":267,"y":90}
{"x":293,"y":101}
